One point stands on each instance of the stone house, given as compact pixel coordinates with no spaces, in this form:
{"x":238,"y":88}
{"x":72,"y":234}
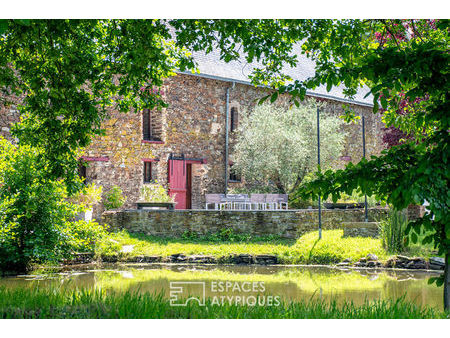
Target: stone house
{"x":184,"y":146}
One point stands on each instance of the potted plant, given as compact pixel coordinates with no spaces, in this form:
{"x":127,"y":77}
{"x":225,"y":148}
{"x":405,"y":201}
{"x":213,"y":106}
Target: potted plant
{"x":155,"y":196}
{"x":114,"y":198}
{"x":87,"y":198}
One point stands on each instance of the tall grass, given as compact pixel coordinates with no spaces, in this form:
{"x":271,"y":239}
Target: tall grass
{"x":392,"y":231}
{"x":84,"y":303}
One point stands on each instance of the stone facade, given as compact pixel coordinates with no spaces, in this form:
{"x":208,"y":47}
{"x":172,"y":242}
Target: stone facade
{"x":8,"y":116}
{"x":193,"y":125}
{"x":287,"y":224}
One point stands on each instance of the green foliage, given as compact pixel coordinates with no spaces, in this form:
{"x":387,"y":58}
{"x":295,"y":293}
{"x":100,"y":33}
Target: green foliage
{"x":413,"y":63}
{"x":280,"y":146}
{"x":393,"y":231}
{"x":114,"y":198}
{"x":88,"y":196}
{"x":70,"y":71}
{"x":296,"y":201}
{"x":85,"y":303}
{"x":36,"y":219}
{"x":155,"y":192}
{"x":82,"y":236}
{"x":410,"y":61}
{"x":356,"y":197}
{"x":228,"y":235}
{"x":107,"y":248}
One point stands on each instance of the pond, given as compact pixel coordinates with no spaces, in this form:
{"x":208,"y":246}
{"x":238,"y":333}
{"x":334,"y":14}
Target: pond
{"x":287,"y":282}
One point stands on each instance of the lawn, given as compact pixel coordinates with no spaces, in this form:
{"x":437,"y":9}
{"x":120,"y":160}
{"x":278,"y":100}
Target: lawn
{"x":333,"y":247}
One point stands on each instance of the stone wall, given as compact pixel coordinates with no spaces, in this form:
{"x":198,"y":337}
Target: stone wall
{"x":193,"y":124}
{"x":287,"y":224}
{"x":361,"y":229}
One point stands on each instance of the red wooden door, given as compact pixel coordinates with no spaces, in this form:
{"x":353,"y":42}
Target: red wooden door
{"x":178,"y":182}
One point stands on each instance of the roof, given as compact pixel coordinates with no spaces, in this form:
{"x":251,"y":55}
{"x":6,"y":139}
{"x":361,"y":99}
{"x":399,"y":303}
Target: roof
{"x":211,"y":66}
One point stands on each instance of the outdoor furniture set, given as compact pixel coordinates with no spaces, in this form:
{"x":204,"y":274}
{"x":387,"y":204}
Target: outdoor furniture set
{"x":243,"y":202}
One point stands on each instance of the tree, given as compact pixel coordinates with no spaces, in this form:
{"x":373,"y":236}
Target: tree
{"x":54,"y":62}
{"x":280,"y":145}
{"x":413,"y":64}
{"x":70,"y":73}
{"x":36,"y":219}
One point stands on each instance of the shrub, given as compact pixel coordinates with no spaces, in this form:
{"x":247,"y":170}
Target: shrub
{"x":155,"y":193}
{"x":88,"y":196}
{"x":114,"y":198}
{"x":392,"y":231}
{"x":107,"y":248}
{"x":82,"y":235}
{"x":36,"y":217}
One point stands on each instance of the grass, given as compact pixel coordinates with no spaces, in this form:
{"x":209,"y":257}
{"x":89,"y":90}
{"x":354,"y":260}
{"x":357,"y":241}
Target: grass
{"x":333,"y":247}
{"x":97,"y":303}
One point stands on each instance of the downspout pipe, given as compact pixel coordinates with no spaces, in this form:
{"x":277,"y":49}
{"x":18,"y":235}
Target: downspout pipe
{"x":227,"y":131}
{"x":366,"y":217}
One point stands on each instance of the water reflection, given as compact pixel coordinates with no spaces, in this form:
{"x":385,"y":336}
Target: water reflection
{"x":288,"y":282}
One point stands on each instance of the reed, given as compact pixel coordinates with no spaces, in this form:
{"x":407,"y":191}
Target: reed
{"x":392,"y":231}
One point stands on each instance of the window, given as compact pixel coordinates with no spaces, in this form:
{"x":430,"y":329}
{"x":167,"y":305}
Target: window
{"x":147,"y":172}
{"x":234,"y":176}
{"x":82,"y":172}
{"x":151,"y":125}
{"x":233,"y":119}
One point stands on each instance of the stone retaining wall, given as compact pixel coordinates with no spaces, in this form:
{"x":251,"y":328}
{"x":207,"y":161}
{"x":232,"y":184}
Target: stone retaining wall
{"x":361,"y":229}
{"x":287,"y":224}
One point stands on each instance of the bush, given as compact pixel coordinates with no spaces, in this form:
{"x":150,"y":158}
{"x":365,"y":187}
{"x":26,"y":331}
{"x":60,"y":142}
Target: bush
{"x":114,"y":198}
{"x":36,"y":218}
{"x":83,"y":236}
{"x":392,"y":231}
{"x":156,"y":193}
{"x":88,"y":196}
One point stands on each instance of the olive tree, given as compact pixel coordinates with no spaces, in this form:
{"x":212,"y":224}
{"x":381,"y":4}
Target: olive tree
{"x":279,"y":145}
